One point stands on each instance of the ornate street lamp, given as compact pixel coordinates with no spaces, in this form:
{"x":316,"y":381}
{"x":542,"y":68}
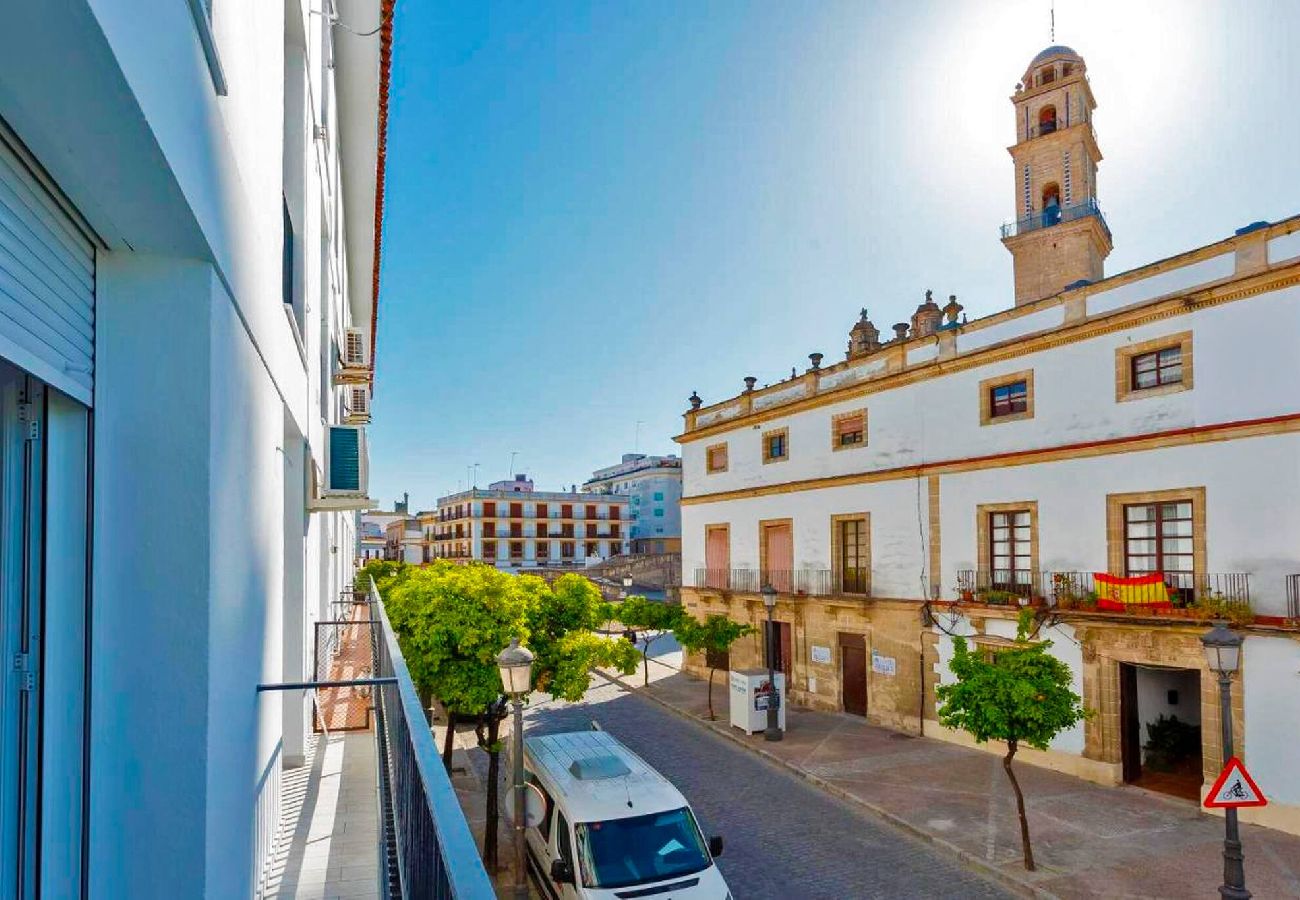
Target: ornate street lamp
{"x":773,"y":732}
{"x":516,"y":666}
{"x":1223,"y":656}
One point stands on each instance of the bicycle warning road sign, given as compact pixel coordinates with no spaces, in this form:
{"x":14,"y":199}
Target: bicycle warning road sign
{"x":1234,"y":788}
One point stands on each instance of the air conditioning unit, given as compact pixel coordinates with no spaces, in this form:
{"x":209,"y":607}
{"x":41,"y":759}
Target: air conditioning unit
{"x":354,"y":349}
{"x":347,"y":470}
{"x":357,"y":408}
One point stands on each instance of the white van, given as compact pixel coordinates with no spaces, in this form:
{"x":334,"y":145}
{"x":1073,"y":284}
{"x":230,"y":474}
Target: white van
{"x":613,"y":827}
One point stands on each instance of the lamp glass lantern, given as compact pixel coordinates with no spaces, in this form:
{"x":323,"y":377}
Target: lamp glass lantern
{"x":769,"y":596}
{"x":516,"y":665}
{"x":627,"y":581}
{"x":1222,"y":649}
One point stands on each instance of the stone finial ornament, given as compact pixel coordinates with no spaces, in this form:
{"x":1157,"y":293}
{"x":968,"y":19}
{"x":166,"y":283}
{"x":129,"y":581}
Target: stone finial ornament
{"x":926,"y":319}
{"x":750,"y":381}
{"x":864,"y":337}
{"x":816,"y":360}
{"x":951,"y":310}
{"x":900,"y":331}
{"x":695,"y":400}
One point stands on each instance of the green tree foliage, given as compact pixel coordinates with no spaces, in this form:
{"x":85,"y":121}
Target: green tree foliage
{"x":1021,"y":695}
{"x":562,"y":620}
{"x":712,"y":637}
{"x":453,"y":620}
{"x":382,"y":571}
{"x":649,"y":616}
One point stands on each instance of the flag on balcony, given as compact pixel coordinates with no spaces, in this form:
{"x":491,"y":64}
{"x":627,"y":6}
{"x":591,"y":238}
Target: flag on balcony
{"x":1136,"y":594}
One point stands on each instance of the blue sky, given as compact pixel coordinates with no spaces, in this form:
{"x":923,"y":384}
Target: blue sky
{"x":593,"y":210}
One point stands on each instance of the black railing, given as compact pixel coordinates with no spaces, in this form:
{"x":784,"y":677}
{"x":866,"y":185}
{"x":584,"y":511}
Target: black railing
{"x":808,"y":582}
{"x":1080,"y":589}
{"x":1054,"y":215}
{"x":427,"y":849}
{"x":1293,"y":597}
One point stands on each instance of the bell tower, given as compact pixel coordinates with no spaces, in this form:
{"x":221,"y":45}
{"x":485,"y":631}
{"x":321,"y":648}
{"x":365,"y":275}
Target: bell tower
{"x":1059,"y":236}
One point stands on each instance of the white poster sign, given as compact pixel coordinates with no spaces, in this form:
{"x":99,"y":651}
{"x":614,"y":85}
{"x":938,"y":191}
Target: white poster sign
{"x":821,"y":654}
{"x":884,"y":665}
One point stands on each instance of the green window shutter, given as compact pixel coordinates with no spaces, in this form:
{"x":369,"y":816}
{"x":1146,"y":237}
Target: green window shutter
{"x":345,"y":459}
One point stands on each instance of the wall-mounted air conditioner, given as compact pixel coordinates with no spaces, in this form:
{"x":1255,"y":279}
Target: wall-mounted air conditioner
{"x":357,"y":405}
{"x":355,"y":351}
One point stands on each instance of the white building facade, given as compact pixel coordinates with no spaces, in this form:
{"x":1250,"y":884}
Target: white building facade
{"x":1121,"y":456}
{"x":189,"y":231}
{"x":653,"y":486}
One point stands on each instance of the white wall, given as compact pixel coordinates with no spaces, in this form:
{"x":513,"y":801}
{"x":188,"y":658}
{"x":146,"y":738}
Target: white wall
{"x":1271,"y":668}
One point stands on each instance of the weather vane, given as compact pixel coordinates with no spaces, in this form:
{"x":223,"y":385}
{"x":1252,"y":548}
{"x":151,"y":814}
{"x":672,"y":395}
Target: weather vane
{"x":1053,"y":8}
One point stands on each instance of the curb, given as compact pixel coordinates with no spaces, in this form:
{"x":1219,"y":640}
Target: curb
{"x":1023,"y":888}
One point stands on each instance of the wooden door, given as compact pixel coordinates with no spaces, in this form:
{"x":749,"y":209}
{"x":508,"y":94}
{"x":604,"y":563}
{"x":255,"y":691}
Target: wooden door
{"x":778,"y":541}
{"x":717,"y":557}
{"x":778,"y":642}
{"x":1130,"y":727}
{"x":853,"y":673}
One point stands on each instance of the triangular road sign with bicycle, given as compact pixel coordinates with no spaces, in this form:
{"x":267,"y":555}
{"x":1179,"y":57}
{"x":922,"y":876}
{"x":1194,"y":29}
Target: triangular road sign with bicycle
{"x":1234,"y":788}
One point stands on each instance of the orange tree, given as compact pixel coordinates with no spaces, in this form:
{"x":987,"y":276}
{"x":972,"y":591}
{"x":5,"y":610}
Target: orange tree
{"x":712,"y":637}
{"x":1021,"y":694}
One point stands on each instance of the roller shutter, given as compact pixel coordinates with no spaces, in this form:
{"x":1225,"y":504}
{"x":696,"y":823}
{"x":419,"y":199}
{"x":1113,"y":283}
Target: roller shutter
{"x":47,"y":279}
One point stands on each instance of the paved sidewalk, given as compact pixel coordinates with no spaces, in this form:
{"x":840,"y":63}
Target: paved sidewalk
{"x":1089,"y":840}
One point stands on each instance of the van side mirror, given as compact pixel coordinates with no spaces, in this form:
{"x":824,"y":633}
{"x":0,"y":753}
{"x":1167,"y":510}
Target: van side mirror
{"x":715,"y":846}
{"x":562,"y":871}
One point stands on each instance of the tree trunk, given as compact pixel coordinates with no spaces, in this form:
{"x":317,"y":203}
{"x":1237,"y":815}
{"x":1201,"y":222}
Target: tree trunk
{"x":645,"y":659}
{"x":711,"y":715}
{"x":449,"y":742}
{"x":1020,"y":806}
{"x":494,"y":769}
{"x":426,"y":703}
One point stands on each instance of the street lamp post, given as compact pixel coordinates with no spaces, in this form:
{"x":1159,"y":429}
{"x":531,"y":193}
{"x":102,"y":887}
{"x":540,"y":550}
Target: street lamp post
{"x":516,"y":665}
{"x":1223,"y":654}
{"x":773,"y":732}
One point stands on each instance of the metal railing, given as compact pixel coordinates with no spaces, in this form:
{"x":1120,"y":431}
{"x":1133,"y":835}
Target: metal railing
{"x":808,"y":582}
{"x":426,"y":849}
{"x":1293,"y":597}
{"x":1079,"y":589}
{"x":1054,"y":215}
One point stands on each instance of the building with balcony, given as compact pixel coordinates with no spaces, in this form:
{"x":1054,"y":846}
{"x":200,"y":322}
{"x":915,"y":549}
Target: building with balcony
{"x":372,"y":529}
{"x":1117,"y":453}
{"x":653,"y":486}
{"x":190,"y":222}
{"x":533,"y":529}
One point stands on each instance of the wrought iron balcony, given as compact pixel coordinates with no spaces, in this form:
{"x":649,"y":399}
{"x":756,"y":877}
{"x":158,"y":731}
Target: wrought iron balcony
{"x":805,"y":582}
{"x":1207,"y":592}
{"x":1054,"y":215}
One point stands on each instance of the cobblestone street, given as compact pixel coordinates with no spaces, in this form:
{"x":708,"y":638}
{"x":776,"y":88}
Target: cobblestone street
{"x":784,"y":838}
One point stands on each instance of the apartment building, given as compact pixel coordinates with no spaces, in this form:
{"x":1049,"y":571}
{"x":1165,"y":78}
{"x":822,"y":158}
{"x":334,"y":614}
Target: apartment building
{"x":527,"y":529}
{"x":653,"y":486}
{"x":1118,"y":454}
{"x":372,"y":529}
{"x":190,"y":200}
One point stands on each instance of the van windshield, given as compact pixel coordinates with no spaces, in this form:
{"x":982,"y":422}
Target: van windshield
{"x":635,"y":850}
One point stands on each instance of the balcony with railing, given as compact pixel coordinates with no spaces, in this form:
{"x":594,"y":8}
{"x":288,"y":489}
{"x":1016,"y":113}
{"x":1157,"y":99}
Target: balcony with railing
{"x":373,"y":813}
{"x":798,"y":582}
{"x":1055,"y":215}
{"x":1178,"y":595}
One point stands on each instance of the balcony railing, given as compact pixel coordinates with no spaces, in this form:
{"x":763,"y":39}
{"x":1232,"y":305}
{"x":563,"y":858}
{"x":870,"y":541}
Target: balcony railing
{"x":1293,"y":597}
{"x":1079,"y":589}
{"x":1054,"y":215}
{"x":807,"y":582}
{"x":427,"y":848}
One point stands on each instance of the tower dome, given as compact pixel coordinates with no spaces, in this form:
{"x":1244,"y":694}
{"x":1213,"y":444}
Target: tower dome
{"x":1054,"y":62}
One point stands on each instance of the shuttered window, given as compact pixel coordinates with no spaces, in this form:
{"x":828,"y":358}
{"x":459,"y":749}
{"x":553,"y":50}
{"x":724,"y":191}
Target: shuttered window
{"x":47,"y":280}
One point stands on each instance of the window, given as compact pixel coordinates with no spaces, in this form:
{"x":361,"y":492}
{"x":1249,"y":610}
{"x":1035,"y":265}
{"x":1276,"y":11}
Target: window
{"x":1007,"y":398}
{"x":1159,"y":368}
{"x":849,"y":430}
{"x":543,"y":549}
{"x":1158,"y":538}
{"x":659,"y":495}
{"x":516,"y":529}
{"x":613,"y":513}
{"x":489,"y":510}
{"x":1010,"y":541}
{"x":516,"y":549}
{"x":851,"y":561}
{"x":715,"y":458}
{"x":541,"y":510}
{"x":776,"y":553}
{"x":1047,"y":120}
{"x":659,"y":513}
{"x":489,"y":549}
{"x":592,"y":548}
{"x":566,"y":550}
{"x":717,"y":557}
{"x":591,"y":529}
{"x":776,"y":445}
{"x":563,"y":842}
{"x":641,"y":849}
{"x":1154,"y":368}
{"x":516,"y":510}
